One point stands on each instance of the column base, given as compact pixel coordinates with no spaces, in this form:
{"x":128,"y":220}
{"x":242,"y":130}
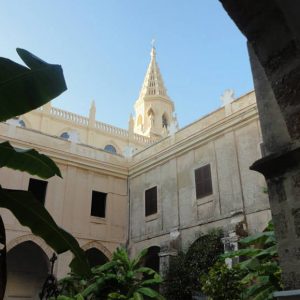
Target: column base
{"x":287,"y":295}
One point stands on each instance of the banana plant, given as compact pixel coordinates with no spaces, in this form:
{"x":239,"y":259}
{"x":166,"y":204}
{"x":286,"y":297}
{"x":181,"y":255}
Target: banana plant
{"x":22,"y":89}
{"x":259,"y":261}
{"x":121,"y":278}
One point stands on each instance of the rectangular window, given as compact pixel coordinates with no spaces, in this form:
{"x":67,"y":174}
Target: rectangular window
{"x":151,"y":201}
{"x":98,"y":204}
{"x":203,"y":182}
{"x":38,"y":188}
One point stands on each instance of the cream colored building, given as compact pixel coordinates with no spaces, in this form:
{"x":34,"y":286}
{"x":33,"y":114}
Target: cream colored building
{"x":152,"y":185}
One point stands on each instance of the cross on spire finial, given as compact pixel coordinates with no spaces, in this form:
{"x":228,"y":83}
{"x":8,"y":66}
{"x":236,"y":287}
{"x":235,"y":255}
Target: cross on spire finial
{"x":153,"y":48}
{"x":153,"y":43}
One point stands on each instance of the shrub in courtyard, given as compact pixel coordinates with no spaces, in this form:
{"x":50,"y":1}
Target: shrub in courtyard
{"x":260,"y":264}
{"x":258,"y":272}
{"x":183,"y":277}
{"x":222,"y":283}
{"x":121,"y":278}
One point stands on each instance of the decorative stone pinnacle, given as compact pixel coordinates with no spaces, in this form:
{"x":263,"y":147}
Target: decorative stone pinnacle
{"x":153,"y":52}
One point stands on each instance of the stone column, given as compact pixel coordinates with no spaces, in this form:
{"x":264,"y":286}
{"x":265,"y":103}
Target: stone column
{"x":272,"y":28}
{"x":164,"y":260}
{"x":230,"y":243}
{"x":281,"y":168}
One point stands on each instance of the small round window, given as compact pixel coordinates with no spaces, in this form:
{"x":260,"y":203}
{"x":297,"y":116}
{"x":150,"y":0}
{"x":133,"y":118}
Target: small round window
{"x":65,"y":135}
{"x":110,"y":148}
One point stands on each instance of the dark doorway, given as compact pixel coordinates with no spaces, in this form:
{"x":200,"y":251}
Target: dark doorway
{"x":27,"y":266}
{"x":96,"y":257}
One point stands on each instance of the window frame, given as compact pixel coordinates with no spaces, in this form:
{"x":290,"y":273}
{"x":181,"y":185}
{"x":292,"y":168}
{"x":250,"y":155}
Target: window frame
{"x":211,"y":192}
{"x":153,"y":215}
{"x":97,"y":217}
{"x":31,"y":179}
{"x":108,"y":147}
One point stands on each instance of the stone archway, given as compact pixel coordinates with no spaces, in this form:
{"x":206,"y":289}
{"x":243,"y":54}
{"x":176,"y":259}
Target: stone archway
{"x":33,"y":238}
{"x":97,"y":245}
{"x":152,"y":259}
{"x":28,"y":267}
{"x":96,"y":257}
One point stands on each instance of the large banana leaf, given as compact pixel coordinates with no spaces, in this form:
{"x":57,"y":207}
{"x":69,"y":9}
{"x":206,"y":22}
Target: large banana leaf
{"x":32,"y":213}
{"x":23,"y":89}
{"x":27,"y":160}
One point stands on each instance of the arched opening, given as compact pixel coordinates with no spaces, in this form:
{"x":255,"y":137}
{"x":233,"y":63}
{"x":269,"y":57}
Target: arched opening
{"x":151,"y":116}
{"x":22,"y":123}
{"x":152,"y":258}
{"x":150,"y":112}
{"x":96,"y":257}
{"x":27,"y":266}
{"x":110,"y":148}
{"x":65,"y":135}
{"x":139,"y":121}
{"x":165,"y":122}
{"x":16,"y":121}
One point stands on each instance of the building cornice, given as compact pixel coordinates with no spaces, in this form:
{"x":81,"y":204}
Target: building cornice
{"x":170,"y":147}
{"x":66,"y":152}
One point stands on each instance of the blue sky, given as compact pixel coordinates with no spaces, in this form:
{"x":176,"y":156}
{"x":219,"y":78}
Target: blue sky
{"x":104,"y":49}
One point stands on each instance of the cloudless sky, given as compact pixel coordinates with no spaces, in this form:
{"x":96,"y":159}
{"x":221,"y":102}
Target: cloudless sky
{"x":104,"y":49}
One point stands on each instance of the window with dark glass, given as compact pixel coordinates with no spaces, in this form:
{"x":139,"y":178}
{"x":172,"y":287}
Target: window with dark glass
{"x":151,"y":201}
{"x":98,"y":204}
{"x":38,"y":188}
{"x":110,"y":148}
{"x":203,"y":182}
{"x":22,"y":123}
{"x":65,"y":135}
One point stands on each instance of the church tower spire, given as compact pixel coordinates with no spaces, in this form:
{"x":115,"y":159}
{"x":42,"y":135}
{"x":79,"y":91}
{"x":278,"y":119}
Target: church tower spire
{"x":154,"y":109}
{"x":153,"y":83}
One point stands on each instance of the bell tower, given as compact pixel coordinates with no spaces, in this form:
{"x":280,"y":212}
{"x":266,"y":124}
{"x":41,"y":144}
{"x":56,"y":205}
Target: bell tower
{"x":154,"y":110}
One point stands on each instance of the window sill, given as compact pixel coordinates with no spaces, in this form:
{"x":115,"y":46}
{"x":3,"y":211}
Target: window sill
{"x":205,"y":199}
{"x":97,"y":220}
{"x":151,"y":217}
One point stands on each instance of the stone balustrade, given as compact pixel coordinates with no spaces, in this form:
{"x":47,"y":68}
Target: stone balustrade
{"x":66,"y":115}
{"x":105,"y":128}
{"x":111,"y":129}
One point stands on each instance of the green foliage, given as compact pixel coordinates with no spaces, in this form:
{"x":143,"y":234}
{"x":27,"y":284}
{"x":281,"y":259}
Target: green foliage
{"x":27,"y":160}
{"x":256,"y":276}
{"x":183,"y":277}
{"x":177,"y":283}
{"x":121,"y":278}
{"x":222,"y":283}
{"x":260,"y":264}
{"x":23,"y":89}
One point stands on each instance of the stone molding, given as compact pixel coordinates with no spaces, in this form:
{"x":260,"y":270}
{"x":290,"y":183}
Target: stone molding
{"x":30,"y":237}
{"x":99,"y":246}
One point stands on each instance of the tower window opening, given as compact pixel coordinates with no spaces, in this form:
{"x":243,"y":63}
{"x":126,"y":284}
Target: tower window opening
{"x":139,"y":120}
{"x":165,"y":121}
